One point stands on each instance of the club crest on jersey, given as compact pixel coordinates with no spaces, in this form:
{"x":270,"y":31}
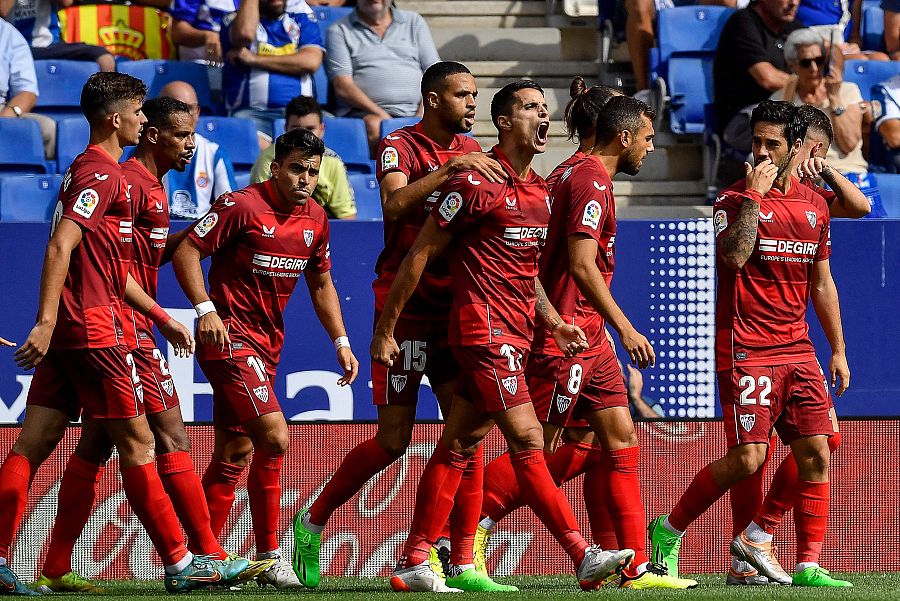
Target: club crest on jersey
{"x":206,"y":224}
{"x":811,"y":218}
{"x":308,"y":237}
{"x":747,"y":421}
{"x":202,"y":180}
{"x":398,"y":382}
{"x":268,"y":232}
{"x":86,"y":203}
{"x":591,"y":216}
{"x":168,"y":386}
{"x":450,"y":206}
{"x":562,"y":403}
{"x":720,"y":221}
{"x":262,"y":393}
{"x":511,"y":384}
{"x":390,"y":158}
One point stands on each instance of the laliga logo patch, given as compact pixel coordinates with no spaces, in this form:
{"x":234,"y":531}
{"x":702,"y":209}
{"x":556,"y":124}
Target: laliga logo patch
{"x":207,"y":224}
{"x":562,"y":403}
{"x":450,"y":206}
{"x":308,"y":237}
{"x":390,"y":159}
{"x":511,"y":384}
{"x":86,"y":203}
{"x":592,"y":212}
{"x":398,"y":382}
{"x":262,"y":393}
{"x":169,"y":386}
{"x":811,"y":218}
{"x":720,"y":221}
{"x":747,"y":421}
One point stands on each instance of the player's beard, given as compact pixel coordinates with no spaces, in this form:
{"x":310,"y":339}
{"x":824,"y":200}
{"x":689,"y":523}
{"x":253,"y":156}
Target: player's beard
{"x":631,"y":162}
{"x":785,"y":165}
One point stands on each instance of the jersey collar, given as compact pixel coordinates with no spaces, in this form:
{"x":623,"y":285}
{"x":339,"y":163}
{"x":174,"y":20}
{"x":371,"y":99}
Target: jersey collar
{"x":510,"y":171}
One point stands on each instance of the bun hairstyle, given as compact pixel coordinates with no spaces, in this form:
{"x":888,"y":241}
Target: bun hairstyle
{"x":584,"y":107}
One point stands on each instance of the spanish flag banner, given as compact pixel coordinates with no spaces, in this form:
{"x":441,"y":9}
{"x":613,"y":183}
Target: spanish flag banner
{"x":135,"y":32}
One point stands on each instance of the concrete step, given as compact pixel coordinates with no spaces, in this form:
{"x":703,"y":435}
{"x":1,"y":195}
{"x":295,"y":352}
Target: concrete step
{"x":535,"y":69}
{"x":524,"y":44}
{"x":557,"y":99}
{"x":471,"y":8}
{"x":484,"y":129}
{"x":437,"y":22}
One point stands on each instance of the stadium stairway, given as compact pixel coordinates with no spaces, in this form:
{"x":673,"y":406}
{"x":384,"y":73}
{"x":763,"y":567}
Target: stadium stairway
{"x":502,"y":40}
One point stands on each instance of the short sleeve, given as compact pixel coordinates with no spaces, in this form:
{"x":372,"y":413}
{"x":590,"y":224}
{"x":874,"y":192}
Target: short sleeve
{"x":262,"y":168}
{"x":86,"y":196}
{"x":310,"y":35}
{"x":428,"y":54}
{"x":342,"y":203}
{"x":889,"y":94}
{"x":395,"y":154}
{"x":225,"y":32}
{"x":225,"y":220}
{"x":321,"y":259}
{"x":828,"y":195}
{"x":461,"y":204}
{"x":589,"y":203}
{"x":337,"y":56}
{"x":725,"y":211}
{"x":185,"y":10}
{"x":742,"y":38}
{"x":850,"y":93}
{"x":22,"y":77}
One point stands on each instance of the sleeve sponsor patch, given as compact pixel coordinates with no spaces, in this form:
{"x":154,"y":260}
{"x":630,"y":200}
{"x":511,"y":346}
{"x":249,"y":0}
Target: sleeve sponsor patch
{"x":720,"y":221}
{"x":450,"y":206}
{"x":591,"y":216}
{"x":86,"y":202}
{"x":206,"y":224}
{"x":390,"y":158}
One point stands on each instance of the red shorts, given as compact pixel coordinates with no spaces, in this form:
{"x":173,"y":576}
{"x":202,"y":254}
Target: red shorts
{"x":794,"y":399}
{"x":100,"y":383}
{"x":563,"y":389}
{"x":492,"y":377}
{"x":242,"y":390}
{"x":159,"y":387}
{"x":423,"y":352}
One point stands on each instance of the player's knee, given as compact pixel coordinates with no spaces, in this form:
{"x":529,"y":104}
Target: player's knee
{"x":172,"y":442}
{"x":527,"y":438}
{"x":276,"y":443}
{"x":394,"y":444}
{"x":747,"y":459}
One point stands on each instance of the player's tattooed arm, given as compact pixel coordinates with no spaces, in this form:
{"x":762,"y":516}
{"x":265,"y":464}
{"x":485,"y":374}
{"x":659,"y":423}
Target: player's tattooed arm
{"x":568,"y":337}
{"x":735,"y":244}
{"x":850,"y":201}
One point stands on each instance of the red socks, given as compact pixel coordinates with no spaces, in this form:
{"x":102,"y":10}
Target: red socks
{"x":624,"y":500}
{"x":264,"y":490}
{"x":746,"y":497}
{"x":183,"y":486}
{"x":466,"y":510}
{"x":595,"y":499}
{"x":434,"y":501}
{"x":361,"y":463}
{"x":153,"y":508}
{"x":699,"y":496}
{"x":569,"y":461}
{"x":219,"y":482}
{"x":75,"y":499}
{"x":501,"y":491}
{"x":811,"y":519}
{"x":548,"y":502}
{"x":15,"y":478}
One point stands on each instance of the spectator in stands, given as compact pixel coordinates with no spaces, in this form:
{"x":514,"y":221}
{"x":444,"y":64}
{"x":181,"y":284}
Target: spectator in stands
{"x":749,"y":65}
{"x":376,"y":57}
{"x":38,"y":23}
{"x":333,"y":192}
{"x":18,"y":85}
{"x":888,"y":124}
{"x":891,"y":10}
{"x":209,"y":174}
{"x":270,"y":55}
{"x":640,"y":26}
{"x":195,"y":28}
{"x":831,"y":18}
{"x":806,"y":55}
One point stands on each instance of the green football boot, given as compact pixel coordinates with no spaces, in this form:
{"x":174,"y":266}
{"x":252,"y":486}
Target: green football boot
{"x":474,"y":581}
{"x":816,"y":576}
{"x":305,"y":558}
{"x":664,"y":545}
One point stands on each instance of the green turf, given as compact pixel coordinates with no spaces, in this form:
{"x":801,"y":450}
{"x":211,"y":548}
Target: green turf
{"x":877,"y":586}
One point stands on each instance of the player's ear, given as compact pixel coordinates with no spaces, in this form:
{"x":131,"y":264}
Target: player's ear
{"x":504,"y":122}
{"x":274,"y":168}
{"x":431,"y":99}
{"x":626,"y":138}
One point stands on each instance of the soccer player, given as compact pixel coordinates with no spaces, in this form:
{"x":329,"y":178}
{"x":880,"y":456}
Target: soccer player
{"x":166,"y":143}
{"x":496,"y":230}
{"x":78,"y":346}
{"x":414,"y":162}
{"x":262,"y":239}
{"x":772,"y":246}
{"x":577,"y":266}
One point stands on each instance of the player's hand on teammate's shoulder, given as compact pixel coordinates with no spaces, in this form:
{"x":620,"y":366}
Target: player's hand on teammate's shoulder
{"x":347,"y":361}
{"x":35,"y":348}
{"x":384,"y":348}
{"x":811,"y":168}
{"x":570,"y":339}
{"x":211,"y":331}
{"x":638,"y":348}
{"x":840,"y":373}
{"x":179,"y":336}
{"x":761,"y":177}
{"x":480,"y":162}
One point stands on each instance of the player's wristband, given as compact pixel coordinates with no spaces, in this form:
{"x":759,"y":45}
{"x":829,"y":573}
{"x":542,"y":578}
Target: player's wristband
{"x":158,"y":315}
{"x":204,"y":308}
{"x":341,"y":342}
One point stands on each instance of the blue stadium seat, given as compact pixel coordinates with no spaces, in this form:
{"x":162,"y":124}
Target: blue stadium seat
{"x":278,"y":127}
{"x":866,"y":74}
{"x":28,"y":197}
{"x":392,"y":125}
{"x":889,"y":187}
{"x":326,"y":15}
{"x":368,"y":197}
{"x":690,"y":89}
{"x":26,"y":155}
{"x":320,"y":85}
{"x":72,"y":136}
{"x":60,"y":84}
{"x":347,"y":137}
{"x":871,"y":30}
{"x":157,"y":73}
{"x":692,"y":30}
{"x":237,"y":136}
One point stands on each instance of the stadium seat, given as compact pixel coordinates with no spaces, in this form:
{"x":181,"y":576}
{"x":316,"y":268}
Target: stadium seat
{"x":157,"y":73}
{"x":28,"y":197}
{"x":60,"y":84}
{"x":237,"y":136}
{"x":692,"y":30}
{"x":277,"y":127}
{"x":889,"y":188}
{"x":26,"y":155}
{"x":326,"y":15}
{"x":347,"y":137}
{"x":871,"y":31}
{"x":690,"y":89}
{"x":368,"y":198}
{"x":392,"y":125}
{"x":320,"y":85}
{"x":866,"y":74}
{"x":72,"y":136}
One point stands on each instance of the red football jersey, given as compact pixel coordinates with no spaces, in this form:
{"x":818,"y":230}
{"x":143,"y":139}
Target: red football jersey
{"x":560,"y":169}
{"x":258,"y":254}
{"x":583,"y":203}
{"x":151,"y":228}
{"x":94,"y":195}
{"x":409,"y":151}
{"x":761,"y":308}
{"x":499,"y":230}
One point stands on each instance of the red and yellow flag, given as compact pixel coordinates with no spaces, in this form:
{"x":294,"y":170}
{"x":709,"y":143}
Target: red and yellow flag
{"x":135,"y":32}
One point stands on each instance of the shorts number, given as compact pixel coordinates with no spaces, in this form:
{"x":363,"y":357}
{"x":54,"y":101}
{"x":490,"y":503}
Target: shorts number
{"x":135,"y":378}
{"x":256,"y":365}
{"x":574,"y":383}
{"x":513,"y":356}
{"x":749,"y":386}
{"x":414,"y":356}
{"x":163,"y":368}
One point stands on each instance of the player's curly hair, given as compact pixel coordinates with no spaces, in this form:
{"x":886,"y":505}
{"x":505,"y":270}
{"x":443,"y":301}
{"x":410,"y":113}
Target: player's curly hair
{"x":584,"y":107}
{"x":104,"y":92}
{"x":621,"y":113}
{"x":298,"y":139}
{"x":817,"y":120}
{"x":503,"y":99}
{"x":785,"y":114}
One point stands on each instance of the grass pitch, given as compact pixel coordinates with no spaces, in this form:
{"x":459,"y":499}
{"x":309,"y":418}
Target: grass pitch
{"x":871,"y":586}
